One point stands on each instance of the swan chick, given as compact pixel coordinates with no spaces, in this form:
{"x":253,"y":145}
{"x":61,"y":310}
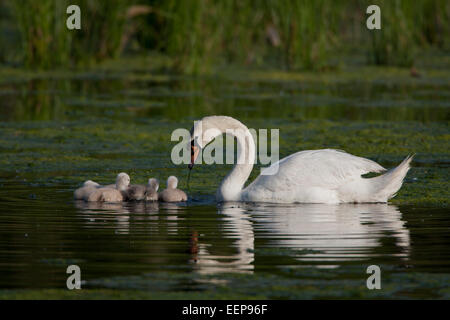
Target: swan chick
{"x":137,"y":192}
{"x":122,"y":181}
{"x":90,"y":183}
{"x":83,"y":192}
{"x":105,"y":195}
{"x":108,"y":194}
{"x":151,"y":192}
{"x":172,"y":194}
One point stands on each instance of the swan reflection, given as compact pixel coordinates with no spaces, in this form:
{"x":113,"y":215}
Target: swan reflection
{"x":321,"y":233}
{"x":309,"y":234}
{"x":238,"y":227}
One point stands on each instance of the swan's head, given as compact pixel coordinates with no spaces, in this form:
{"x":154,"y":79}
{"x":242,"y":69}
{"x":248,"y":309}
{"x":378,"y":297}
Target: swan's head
{"x":122,"y":181}
{"x":153,"y":184}
{"x":203,"y":132}
{"x":172,"y":182}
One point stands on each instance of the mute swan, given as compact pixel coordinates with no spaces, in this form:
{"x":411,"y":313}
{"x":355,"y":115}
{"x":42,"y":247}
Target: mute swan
{"x":83,"y":193}
{"x":147,"y":192}
{"x":311,"y":176}
{"x":172,"y":194}
{"x":108,"y":194}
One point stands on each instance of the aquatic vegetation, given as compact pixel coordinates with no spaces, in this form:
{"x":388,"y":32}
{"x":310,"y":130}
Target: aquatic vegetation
{"x":384,"y":117}
{"x":33,"y":146}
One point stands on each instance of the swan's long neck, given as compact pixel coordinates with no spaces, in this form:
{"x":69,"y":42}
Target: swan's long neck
{"x":231,"y":186}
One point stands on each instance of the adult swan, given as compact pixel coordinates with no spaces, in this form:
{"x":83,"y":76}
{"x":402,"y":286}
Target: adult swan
{"x":311,"y":176}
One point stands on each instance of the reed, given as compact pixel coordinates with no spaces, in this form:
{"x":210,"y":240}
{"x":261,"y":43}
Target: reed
{"x":47,"y":43}
{"x":36,"y":24}
{"x":296,"y":34}
{"x":101,"y":32}
{"x":200,"y":34}
{"x":407,"y":26}
{"x":432,"y":19}
{"x":308,"y":30}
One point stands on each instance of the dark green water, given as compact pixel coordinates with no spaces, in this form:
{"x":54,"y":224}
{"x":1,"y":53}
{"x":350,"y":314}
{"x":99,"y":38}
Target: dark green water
{"x":58,"y":130}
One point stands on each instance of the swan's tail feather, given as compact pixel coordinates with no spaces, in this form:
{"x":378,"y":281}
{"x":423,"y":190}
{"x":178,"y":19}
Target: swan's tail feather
{"x":387,"y":185}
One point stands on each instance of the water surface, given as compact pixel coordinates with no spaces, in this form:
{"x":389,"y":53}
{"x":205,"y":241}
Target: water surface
{"x":58,"y":130}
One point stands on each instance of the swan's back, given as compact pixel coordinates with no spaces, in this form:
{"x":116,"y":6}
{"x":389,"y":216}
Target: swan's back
{"x":309,"y":176}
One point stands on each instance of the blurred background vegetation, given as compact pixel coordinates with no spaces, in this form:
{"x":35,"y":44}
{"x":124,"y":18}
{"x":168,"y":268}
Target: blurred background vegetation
{"x":196,"y":35}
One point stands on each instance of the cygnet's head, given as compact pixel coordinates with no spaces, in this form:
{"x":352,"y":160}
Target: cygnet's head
{"x":172,"y":182}
{"x":153,"y":184}
{"x":122,"y":181}
{"x":90,"y":183}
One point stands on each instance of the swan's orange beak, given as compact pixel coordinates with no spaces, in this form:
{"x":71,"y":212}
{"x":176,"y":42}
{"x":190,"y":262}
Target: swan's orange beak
{"x":194,"y":155}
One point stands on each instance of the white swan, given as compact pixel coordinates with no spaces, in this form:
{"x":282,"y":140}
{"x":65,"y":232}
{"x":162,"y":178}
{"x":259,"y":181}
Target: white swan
{"x":311,"y":176}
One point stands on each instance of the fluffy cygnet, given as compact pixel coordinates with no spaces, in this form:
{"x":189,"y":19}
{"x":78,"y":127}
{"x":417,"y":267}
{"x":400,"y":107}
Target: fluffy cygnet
{"x":172,"y":194}
{"x":108,"y":194}
{"x":151,"y":193}
{"x":137,"y":192}
{"x":90,"y":183}
{"x":83,"y":193}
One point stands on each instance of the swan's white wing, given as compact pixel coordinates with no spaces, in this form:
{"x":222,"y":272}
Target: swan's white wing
{"x":326,"y":168}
